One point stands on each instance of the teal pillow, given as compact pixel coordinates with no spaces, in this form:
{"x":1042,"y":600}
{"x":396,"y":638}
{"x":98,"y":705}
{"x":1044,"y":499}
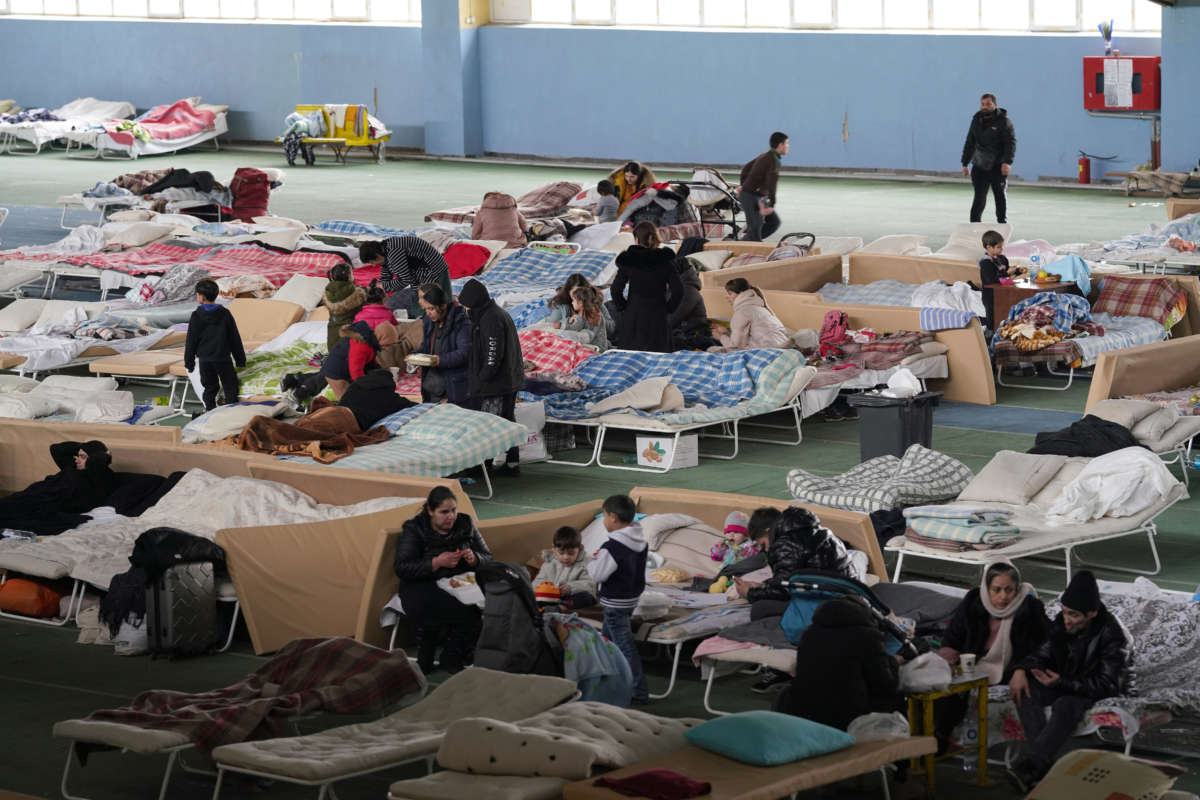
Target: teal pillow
{"x":767,"y":738}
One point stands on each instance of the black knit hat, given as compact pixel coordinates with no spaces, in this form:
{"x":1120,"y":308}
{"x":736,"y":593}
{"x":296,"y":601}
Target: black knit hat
{"x":1082,"y":594}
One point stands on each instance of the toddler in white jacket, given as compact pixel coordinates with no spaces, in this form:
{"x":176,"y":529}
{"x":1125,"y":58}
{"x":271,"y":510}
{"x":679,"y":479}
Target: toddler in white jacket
{"x":565,"y":566}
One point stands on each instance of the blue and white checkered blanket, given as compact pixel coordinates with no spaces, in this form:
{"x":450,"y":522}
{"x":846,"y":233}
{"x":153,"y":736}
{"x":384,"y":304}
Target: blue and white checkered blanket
{"x":349,"y":227}
{"x":1068,"y":308}
{"x":877,"y":293}
{"x":1119,"y":333}
{"x":712,"y":380}
{"x":535,"y":271}
{"x":530,"y":312}
{"x":435,"y":440}
{"x":938,"y":319}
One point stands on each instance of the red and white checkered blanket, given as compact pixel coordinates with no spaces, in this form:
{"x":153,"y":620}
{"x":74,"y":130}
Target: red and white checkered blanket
{"x":166,"y":122}
{"x":1156,"y":298}
{"x":339,"y":675}
{"x":540,"y":203}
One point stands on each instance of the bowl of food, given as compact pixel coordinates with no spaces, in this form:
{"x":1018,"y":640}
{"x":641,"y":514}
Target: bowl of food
{"x":419,"y":359}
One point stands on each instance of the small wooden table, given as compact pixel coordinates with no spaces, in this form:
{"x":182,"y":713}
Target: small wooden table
{"x":920,"y":723}
{"x":1005,"y":296}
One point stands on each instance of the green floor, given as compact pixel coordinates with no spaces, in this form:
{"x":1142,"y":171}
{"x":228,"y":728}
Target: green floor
{"x":45,"y":677}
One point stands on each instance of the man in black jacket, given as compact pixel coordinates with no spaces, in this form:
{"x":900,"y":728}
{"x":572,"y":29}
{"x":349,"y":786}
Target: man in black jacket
{"x":990,"y":147}
{"x":1085,"y":659}
{"x":756,"y":189}
{"x":496,"y":368}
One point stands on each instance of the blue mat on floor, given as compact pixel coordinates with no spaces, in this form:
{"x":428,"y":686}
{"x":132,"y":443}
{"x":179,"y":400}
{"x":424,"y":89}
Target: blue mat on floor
{"x":1003,"y":419}
{"x":29,"y":225}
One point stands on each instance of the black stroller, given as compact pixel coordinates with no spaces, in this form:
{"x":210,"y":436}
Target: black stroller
{"x":801,"y":586}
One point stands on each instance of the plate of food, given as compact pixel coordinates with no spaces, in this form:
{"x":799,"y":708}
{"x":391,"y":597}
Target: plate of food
{"x":419,"y":359}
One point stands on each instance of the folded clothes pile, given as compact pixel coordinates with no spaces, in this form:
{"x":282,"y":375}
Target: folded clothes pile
{"x":959,"y":527}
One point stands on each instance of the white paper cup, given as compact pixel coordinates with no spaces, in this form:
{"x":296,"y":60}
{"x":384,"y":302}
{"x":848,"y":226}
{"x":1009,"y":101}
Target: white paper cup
{"x":967,"y":662}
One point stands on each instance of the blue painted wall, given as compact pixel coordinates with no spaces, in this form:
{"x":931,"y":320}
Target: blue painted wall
{"x":1181,"y":65}
{"x":686,"y":96}
{"x":260,"y":70}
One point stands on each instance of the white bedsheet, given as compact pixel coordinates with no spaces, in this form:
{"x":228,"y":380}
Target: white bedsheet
{"x":1122,"y":483}
{"x":97,"y":551}
{"x":51,"y":352}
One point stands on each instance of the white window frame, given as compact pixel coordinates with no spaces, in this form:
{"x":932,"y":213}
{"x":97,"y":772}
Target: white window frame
{"x":612,"y":14}
{"x":813,"y":26}
{"x":1078,"y":26}
{"x":176,"y":14}
{"x":3,"y":6}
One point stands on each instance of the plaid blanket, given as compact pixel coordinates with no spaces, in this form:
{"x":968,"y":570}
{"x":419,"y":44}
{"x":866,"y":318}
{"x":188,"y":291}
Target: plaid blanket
{"x":220,"y":261}
{"x":897,"y":342}
{"x":877,"y":293}
{"x":949,"y":545}
{"x":923,"y":476}
{"x":349,"y":227}
{"x":530,"y":312}
{"x":712,"y":379}
{"x":550,"y":352}
{"x":963,"y":530}
{"x":540,"y":203}
{"x":153,"y":259}
{"x":537,"y":272}
{"x":937,"y":319}
{"x":1083,"y":351}
{"x":1156,"y":298}
{"x":338,"y":675}
{"x":1068,"y":308}
{"x":441,"y":440}
{"x":959,"y":511}
{"x":682,"y":230}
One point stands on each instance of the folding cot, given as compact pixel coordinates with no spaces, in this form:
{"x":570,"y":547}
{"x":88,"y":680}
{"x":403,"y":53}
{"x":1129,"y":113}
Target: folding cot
{"x":102,"y":142}
{"x":77,"y":115}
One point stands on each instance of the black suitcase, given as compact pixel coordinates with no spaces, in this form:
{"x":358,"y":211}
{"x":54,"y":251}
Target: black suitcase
{"x":181,"y":611}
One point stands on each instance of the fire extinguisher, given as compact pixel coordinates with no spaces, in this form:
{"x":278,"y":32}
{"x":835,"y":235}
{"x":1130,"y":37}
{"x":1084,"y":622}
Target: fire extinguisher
{"x":1085,"y":168}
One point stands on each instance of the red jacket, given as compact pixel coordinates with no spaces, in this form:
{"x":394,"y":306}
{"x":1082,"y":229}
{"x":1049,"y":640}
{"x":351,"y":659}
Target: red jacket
{"x":373,"y":314}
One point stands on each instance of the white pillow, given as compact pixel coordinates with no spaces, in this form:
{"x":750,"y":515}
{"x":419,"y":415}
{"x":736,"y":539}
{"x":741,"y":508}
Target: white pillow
{"x":55,"y":311}
{"x":966,"y":240}
{"x":280,"y":222}
{"x":934,"y":348}
{"x":594,"y":535}
{"x":712,"y":260}
{"x":585,"y":198}
{"x":21,"y":314}
{"x":595,"y":237}
{"x":79,"y":383}
{"x":131,"y":215}
{"x":136,"y":234}
{"x":105,"y":407}
{"x":619,"y":243}
{"x":303,"y":290}
{"x":225,"y":421}
{"x":15,"y":384}
{"x":1153,"y":426}
{"x":898,"y":244}
{"x":26,"y":406}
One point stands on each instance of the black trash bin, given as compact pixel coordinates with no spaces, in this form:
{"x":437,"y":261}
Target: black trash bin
{"x":888,"y":425}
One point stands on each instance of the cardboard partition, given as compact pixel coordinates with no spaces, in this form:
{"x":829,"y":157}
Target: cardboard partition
{"x":262,"y":319}
{"x":1159,"y":366}
{"x":1181,"y":206}
{"x":971,"y":379}
{"x":871,"y":267}
{"x":304,"y":580}
{"x":806,"y":274}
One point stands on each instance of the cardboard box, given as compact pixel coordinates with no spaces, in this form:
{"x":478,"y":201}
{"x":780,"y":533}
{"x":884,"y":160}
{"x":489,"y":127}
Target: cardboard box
{"x":1181,"y":206}
{"x":655,"y":451}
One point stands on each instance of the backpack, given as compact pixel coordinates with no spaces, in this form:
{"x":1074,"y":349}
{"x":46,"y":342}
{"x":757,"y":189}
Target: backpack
{"x":834,"y":327}
{"x":251,"y":190}
{"x":512,"y":637}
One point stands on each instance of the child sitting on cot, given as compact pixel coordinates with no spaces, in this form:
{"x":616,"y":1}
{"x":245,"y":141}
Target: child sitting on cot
{"x":587,"y":317}
{"x":760,"y":530}
{"x":565,"y":566}
{"x":737,"y":544}
{"x":605,"y":209}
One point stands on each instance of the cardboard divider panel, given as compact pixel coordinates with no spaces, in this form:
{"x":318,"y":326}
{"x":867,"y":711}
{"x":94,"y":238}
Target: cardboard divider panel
{"x":25,"y":445}
{"x":1160,"y":366}
{"x":791,"y":274}
{"x":871,"y":267}
{"x":971,"y":379}
{"x":348,"y":486}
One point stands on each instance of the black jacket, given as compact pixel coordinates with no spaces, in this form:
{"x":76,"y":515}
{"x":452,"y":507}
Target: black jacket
{"x":991,"y":140}
{"x":453,"y":352}
{"x":654,"y":292}
{"x":691,"y":316}
{"x":373,"y":397}
{"x":496,"y":366}
{"x":1088,"y":437}
{"x":1094,"y":663}
{"x":59,"y":502}
{"x":212,"y":336}
{"x":969,"y":628}
{"x":843,"y":669}
{"x":419,"y":543}
{"x":800,"y":544}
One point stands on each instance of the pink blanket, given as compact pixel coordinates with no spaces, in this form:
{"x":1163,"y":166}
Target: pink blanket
{"x":166,"y":122}
{"x":219,"y":262}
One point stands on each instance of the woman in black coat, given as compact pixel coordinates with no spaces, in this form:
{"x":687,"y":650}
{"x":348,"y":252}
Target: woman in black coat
{"x":843,"y":669}
{"x":647,"y":270}
{"x":445,"y":335}
{"x":439,"y":543}
{"x":1001,"y":623}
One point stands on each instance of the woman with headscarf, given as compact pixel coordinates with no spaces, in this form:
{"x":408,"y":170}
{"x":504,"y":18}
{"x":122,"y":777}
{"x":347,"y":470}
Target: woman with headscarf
{"x":58,"y":502}
{"x":1001,"y":622}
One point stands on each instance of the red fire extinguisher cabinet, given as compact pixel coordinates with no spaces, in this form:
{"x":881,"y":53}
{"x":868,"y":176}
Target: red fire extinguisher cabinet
{"x":1144,"y":83}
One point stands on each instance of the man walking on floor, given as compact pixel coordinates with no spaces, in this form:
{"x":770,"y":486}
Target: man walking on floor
{"x":989,"y":149}
{"x":757,"y":190}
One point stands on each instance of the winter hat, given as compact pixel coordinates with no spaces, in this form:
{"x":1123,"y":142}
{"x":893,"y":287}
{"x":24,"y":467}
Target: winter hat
{"x":474,"y":294}
{"x":547,"y":592}
{"x":1082,"y":594}
{"x":737,"y":522}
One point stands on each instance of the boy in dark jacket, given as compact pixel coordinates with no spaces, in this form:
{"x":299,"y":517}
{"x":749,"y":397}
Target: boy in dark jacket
{"x":496,"y":367}
{"x":619,"y":570}
{"x":843,"y":669}
{"x":1085,"y":659}
{"x":214,"y":341}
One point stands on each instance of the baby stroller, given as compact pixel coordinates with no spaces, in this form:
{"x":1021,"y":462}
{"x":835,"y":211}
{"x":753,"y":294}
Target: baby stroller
{"x":714,"y":200}
{"x":513,"y":637}
{"x":809,"y":589}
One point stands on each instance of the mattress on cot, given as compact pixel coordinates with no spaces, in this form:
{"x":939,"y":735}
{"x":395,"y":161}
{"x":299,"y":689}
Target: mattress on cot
{"x":77,"y":200}
{"x":147,"y":363}
{"x":102,"y":141}
{"x":1038,"y":536}
{"x":156,"y":316}
{"x":877,"y":293}
{"x":736,"y":780}
{"x":688,"y":623}
{"x":435,"y":440}
{"x":115,"y":734}
{"x":1119,"y":333}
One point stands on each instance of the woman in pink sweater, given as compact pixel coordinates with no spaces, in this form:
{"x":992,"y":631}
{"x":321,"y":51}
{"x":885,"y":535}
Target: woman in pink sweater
{"x":498,"y":219}
{"x":753,"y":324}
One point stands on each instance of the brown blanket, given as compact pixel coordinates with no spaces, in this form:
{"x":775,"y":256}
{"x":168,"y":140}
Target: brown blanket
{"x":325,"y":435}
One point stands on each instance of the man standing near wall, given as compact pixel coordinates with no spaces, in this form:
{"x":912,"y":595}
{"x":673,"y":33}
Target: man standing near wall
{"x":990,"y":147}
{"x":757,"y":191}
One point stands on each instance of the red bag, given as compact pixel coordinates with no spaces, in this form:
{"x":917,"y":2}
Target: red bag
{"x":251,"y":190}
{"x":833,"y":328}
{"x":22,"y":596}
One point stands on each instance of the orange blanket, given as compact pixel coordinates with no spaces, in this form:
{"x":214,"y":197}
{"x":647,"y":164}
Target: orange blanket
{"x":325,"y":435}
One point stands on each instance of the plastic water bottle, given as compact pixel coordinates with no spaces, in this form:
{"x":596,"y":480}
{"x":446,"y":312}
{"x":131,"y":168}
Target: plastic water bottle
{"x":1035,"y":262}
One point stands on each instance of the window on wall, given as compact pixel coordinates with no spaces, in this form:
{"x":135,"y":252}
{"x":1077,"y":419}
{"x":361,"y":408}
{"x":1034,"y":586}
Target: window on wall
{"x":301,"y":10}
{"x":982,"y":15}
